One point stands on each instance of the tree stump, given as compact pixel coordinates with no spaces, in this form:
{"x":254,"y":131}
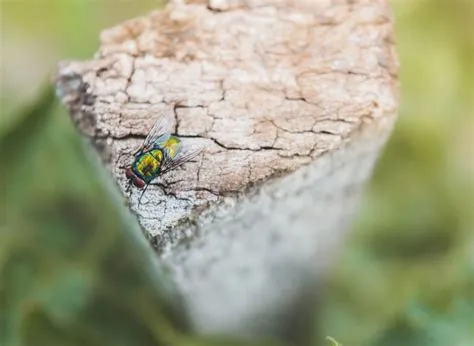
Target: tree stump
{"x":292,"y":102}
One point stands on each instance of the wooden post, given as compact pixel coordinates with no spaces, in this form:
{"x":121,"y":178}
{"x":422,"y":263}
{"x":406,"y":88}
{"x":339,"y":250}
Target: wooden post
{"x":292,"y":101}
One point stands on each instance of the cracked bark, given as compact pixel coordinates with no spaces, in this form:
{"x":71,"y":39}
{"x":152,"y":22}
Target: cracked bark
{"x":292,"y":101}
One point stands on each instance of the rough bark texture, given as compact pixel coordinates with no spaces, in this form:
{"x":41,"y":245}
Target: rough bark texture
{"x":292,"y":102}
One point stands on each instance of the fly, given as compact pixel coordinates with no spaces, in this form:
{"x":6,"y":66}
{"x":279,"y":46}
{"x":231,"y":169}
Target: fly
{"x":159,"y":153}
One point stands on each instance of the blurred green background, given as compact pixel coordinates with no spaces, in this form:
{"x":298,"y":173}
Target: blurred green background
{"x":407,"y":275}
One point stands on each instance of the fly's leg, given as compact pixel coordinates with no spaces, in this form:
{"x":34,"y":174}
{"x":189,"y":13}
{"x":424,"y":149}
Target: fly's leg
{"x":140,"y":198}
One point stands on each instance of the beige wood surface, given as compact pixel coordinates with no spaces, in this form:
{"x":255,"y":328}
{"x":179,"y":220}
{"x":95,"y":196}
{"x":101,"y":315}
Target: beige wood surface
{"x":291,"y":101}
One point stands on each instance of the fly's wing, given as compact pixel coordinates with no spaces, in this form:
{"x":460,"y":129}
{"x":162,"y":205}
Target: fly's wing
{"x":181,"y":157}
{"x":157,"y":131}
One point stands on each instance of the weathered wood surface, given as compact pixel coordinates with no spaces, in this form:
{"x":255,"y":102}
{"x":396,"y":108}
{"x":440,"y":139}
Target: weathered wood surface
{"x":292,"y":101}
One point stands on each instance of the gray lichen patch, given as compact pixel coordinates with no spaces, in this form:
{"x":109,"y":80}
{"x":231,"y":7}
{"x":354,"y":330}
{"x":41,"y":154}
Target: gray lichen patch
{"x":263,"y":86}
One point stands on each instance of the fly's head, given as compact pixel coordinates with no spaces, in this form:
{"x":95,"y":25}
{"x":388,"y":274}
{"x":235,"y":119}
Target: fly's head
{"x":134,"y":179}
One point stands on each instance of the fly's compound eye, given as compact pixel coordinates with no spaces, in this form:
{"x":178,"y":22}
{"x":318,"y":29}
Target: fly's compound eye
{"x":138,"y":183}
{"x":129,"y":173}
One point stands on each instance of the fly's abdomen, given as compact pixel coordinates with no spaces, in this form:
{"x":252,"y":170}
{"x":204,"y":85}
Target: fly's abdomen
{"x":171,"y":146}
{"x":147,"y":166}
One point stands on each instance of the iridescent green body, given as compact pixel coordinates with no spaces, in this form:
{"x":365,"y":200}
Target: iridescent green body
{"x":147,"y":165}
{"x":159,"y":153}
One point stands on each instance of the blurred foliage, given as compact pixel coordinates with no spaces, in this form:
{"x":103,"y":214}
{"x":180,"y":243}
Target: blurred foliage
{"x":406,"y":276}
{"x":37,"y":34}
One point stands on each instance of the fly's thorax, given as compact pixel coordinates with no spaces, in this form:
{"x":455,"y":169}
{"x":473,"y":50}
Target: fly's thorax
{"x":148,"y":164}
